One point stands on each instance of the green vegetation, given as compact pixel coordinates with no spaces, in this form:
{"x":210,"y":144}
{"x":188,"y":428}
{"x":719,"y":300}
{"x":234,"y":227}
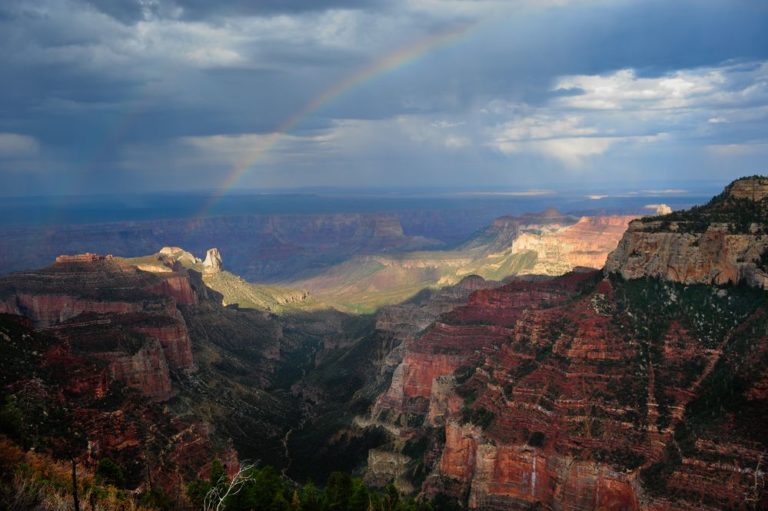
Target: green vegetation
{"x":468,"y":393}
{"x":716,"y":317}
{"x":110,"y":472}
{"x":366,"y":283}
{"x":656,"y":476}
{"x":12,"y":419}
{"x":621,"y":457}
{"x":416,"y":447}
{"x":463,"y":373}
{"x":708,"y":312}
{"x":738,"y":213}
{"x":537,"y":439}
{"x":34,"y":480}
{"x":265,"y":489}
{"x":246,"y":295}
{"x":523,"y":369}
{"x":478,"y":416}
{"x":722,"y":393}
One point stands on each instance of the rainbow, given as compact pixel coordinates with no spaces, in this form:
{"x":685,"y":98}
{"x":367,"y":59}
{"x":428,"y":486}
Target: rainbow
{"x":390,"y":62}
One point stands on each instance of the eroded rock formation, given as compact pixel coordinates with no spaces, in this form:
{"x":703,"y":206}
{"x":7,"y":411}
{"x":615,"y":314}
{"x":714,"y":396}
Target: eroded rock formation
{"x":576,"y":393}
{"x":722,"y":242}
{"x":67,"y":401}
{"x":113,"y":311}
{"x":560,"y":248}
{"x":212,"y":262}
{"x":640,"y":388}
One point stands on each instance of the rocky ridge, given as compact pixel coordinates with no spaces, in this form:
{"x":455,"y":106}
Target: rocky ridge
{"x":263,"y":248}
{"x":547,"y":243}
{"x":127,"y":317}
{"x":212,"y":262}
{"x":591,"y":392}
{"x":724,"y":241}
{"x":234,"y":290}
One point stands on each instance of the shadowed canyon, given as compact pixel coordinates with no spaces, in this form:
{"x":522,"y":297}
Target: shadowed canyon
{"x":548,"y":362}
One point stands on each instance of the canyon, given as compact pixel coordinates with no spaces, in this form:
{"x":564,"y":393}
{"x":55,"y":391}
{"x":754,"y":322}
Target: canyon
{"x":548,"y":243}
{"x":257,"y":247}
{"x":521,"y":376}
{"x":629,"y":389}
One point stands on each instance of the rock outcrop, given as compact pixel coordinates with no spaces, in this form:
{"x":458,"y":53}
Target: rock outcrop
{"x":66,"y":402}
{"x":112,"y":311}
{"x":715,"y":256}
{"x":212,"y":262}
{"x":723,"y":242}
{"x":582,"y":393}
{"x":180,"y":255}
{"x":753,"y":188}
{"x":560,"y":248}
{"x":639,"y":388}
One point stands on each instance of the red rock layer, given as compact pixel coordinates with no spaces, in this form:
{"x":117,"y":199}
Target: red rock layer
{"x":572,"y":394}
{"x":74,"y":389}
{"x":113,"y":311}
{"x":445,"y":347}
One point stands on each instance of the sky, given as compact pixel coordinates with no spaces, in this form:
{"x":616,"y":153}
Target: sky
{"x":108,"y":96}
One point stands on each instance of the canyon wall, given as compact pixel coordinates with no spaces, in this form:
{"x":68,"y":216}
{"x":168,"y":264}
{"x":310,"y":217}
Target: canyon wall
{"x":573,"y":393}
{"x":586,"y":243}
{"x":639,"y":388}
{"x":124,"y":316}
{"x":257,"y":247}
{"x":715,"y":256}
{"x":722,"y":242}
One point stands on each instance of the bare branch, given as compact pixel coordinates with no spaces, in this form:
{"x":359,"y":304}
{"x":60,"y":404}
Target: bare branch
{"x":223,"y":489}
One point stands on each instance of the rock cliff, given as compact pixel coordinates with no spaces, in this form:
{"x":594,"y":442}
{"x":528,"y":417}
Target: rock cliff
{"x":122,"y":315}
{"x":581,"y":393}
{"x":722,"y":242}
{"x":547,"y":243}
{"x":65,"y":401}
{"x":639,"y":388}
{"x":560,"y":248}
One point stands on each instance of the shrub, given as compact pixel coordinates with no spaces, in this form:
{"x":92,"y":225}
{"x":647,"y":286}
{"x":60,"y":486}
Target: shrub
{"x":110,"y":472}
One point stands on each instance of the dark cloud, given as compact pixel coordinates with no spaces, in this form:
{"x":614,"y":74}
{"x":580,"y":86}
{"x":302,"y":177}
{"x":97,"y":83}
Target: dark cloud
{"x":95,"y":88}
{"x":131,"y":11}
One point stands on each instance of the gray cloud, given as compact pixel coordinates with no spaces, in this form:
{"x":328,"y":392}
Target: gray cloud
{"x":112,"y":91}
{"x":131,"y":11}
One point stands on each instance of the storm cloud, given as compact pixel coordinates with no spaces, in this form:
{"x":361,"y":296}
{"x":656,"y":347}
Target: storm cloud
{"x":156,"y":95}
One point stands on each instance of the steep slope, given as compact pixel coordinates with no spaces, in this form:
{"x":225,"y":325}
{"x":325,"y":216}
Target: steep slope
{"x":144,"y":355}
{"x":724,"y":241}
{"x":95,"y":390}
{"x":124,"y":316}
{"x":548,"y":244}
{"x":586,"y":392}
{"x":583,"y":395}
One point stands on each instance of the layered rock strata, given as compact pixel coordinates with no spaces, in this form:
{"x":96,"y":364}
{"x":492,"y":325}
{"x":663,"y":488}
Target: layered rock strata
{"x":581,"y":393}
{"x":127,"y":317}
{"x":722,"y":242}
